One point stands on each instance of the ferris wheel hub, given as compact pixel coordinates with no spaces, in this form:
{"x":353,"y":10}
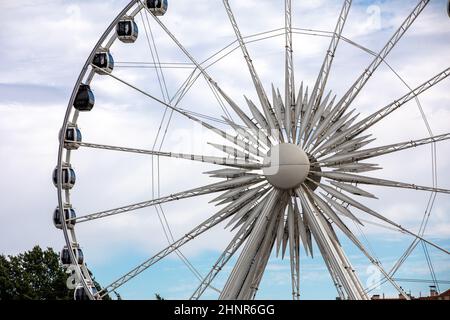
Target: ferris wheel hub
{"x":288,"y":166}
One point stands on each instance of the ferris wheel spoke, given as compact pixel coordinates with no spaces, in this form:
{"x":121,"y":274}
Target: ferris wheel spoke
{"x":215,"y":85}
{"x":319,"y":87}
{"x":200,"y":229}
{"x":241,"y":160}
{"x":289,"y":73}
{"x":260,"y":119}
{"x":326,"y":237}
{"x":298,"y":112}
{"x":322,"y":146}
{"x":330,"y":213}
{"x":155,"y":57}
{"x":257,"y":270}
{"x":278,"y":107}
{"x":303,"y":229}
{"x":369,"y":121}
{"x":322,"y":79}
{"x":355,"y":156}
{"x":232,"y":152}
{"x":393,"y":41}
{"x":306,"y":117}
{"x":341,"y":196}
{"x":352,"y":178}
{"x":249,"y":210}
{"x":344,"y":147}
{"x":257,"y":133}
{"x":194,"y":61}
{"x":356,"y":167}
{"x":185,"y":113}
{"x":333,"y":192}
{"x":253,"y":279}
{"x":245,"y":261}
{"x":294,"y":251}
{"x":255,"y":78}
{"x":341,"y":209}
{"x":327,"y":211}
{"x":228,"y":253}
{"x":212,"y":188}
{"x":359,"y":84}
{"x":316,"y":115}
{"x":259,"y":141}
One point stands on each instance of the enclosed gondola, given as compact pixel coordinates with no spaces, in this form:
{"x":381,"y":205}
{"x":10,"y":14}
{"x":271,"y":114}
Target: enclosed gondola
{"x":157,"y":7}
{"x":80,"y":293}
{"x":127,"y":30}
{"x":72,"y":137}
{"x":84,"y":100}
{"x":68,"y":177}
{"x":69,"y":215}
{"x":65,"y":256}
{"x":104,"y":62}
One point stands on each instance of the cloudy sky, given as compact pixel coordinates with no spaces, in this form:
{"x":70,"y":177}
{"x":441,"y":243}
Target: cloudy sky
{"x":44,"y":46}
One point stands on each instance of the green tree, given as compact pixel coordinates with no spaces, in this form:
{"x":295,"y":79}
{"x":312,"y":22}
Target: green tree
{"x":35,"y":275}
{"x":158,"y":296}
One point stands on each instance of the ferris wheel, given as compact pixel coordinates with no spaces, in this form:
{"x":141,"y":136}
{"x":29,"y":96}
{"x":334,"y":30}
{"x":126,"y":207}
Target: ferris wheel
{"x":293,"y":171}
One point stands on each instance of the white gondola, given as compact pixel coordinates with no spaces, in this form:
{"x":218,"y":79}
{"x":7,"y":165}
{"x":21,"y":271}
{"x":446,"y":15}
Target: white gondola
{"x":69,"y":213}
{"x":157,"y":7}
{"x":68,"y":177}
{"x":104,"y":62}
{"x":65,"y":256}
{"x":84,"y":100}
{"x":127,"y":30}
{"x":72,"y":137}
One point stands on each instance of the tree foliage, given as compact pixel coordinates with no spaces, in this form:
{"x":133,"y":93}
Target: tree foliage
{"x":35,"y":275}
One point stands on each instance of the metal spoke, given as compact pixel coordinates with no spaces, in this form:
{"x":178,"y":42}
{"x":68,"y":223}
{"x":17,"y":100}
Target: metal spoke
{"x":350,"y":201}
{"x":336,"y":258}
{"x":231,"y":249}
{"x":223,"y":134}
{"x":289,"y":72}
{"x":321,"y":81}
{"x":351,"y":157}
{"x":319,"y":87}
{"x":200,"y":229}
{"x":352,"y":178}
{"x":255,"y":78}
{"x":387,"y":110}
{"x":362,"y":80}
{"x":210,"y":80}
{"x":294,"y":251}
{"x":240,"y":160}
{"x":302,"y":229}
{"x":369,"y":121}
{"x":317,"y":115}
{"x":212,"y":188}
{"x":330,"y":213}
{"x":356,"y":88}
{"x":298,"y":114}
{"x":246,"y":260}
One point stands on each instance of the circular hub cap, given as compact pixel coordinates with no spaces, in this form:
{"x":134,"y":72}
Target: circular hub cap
{"x":289,"y":166}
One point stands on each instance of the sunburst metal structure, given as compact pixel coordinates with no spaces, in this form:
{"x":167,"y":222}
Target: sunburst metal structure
{"x":292,"y":169}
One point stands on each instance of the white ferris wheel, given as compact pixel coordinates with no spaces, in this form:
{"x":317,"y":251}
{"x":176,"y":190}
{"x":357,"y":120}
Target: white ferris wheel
{"x":293,"y":171}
